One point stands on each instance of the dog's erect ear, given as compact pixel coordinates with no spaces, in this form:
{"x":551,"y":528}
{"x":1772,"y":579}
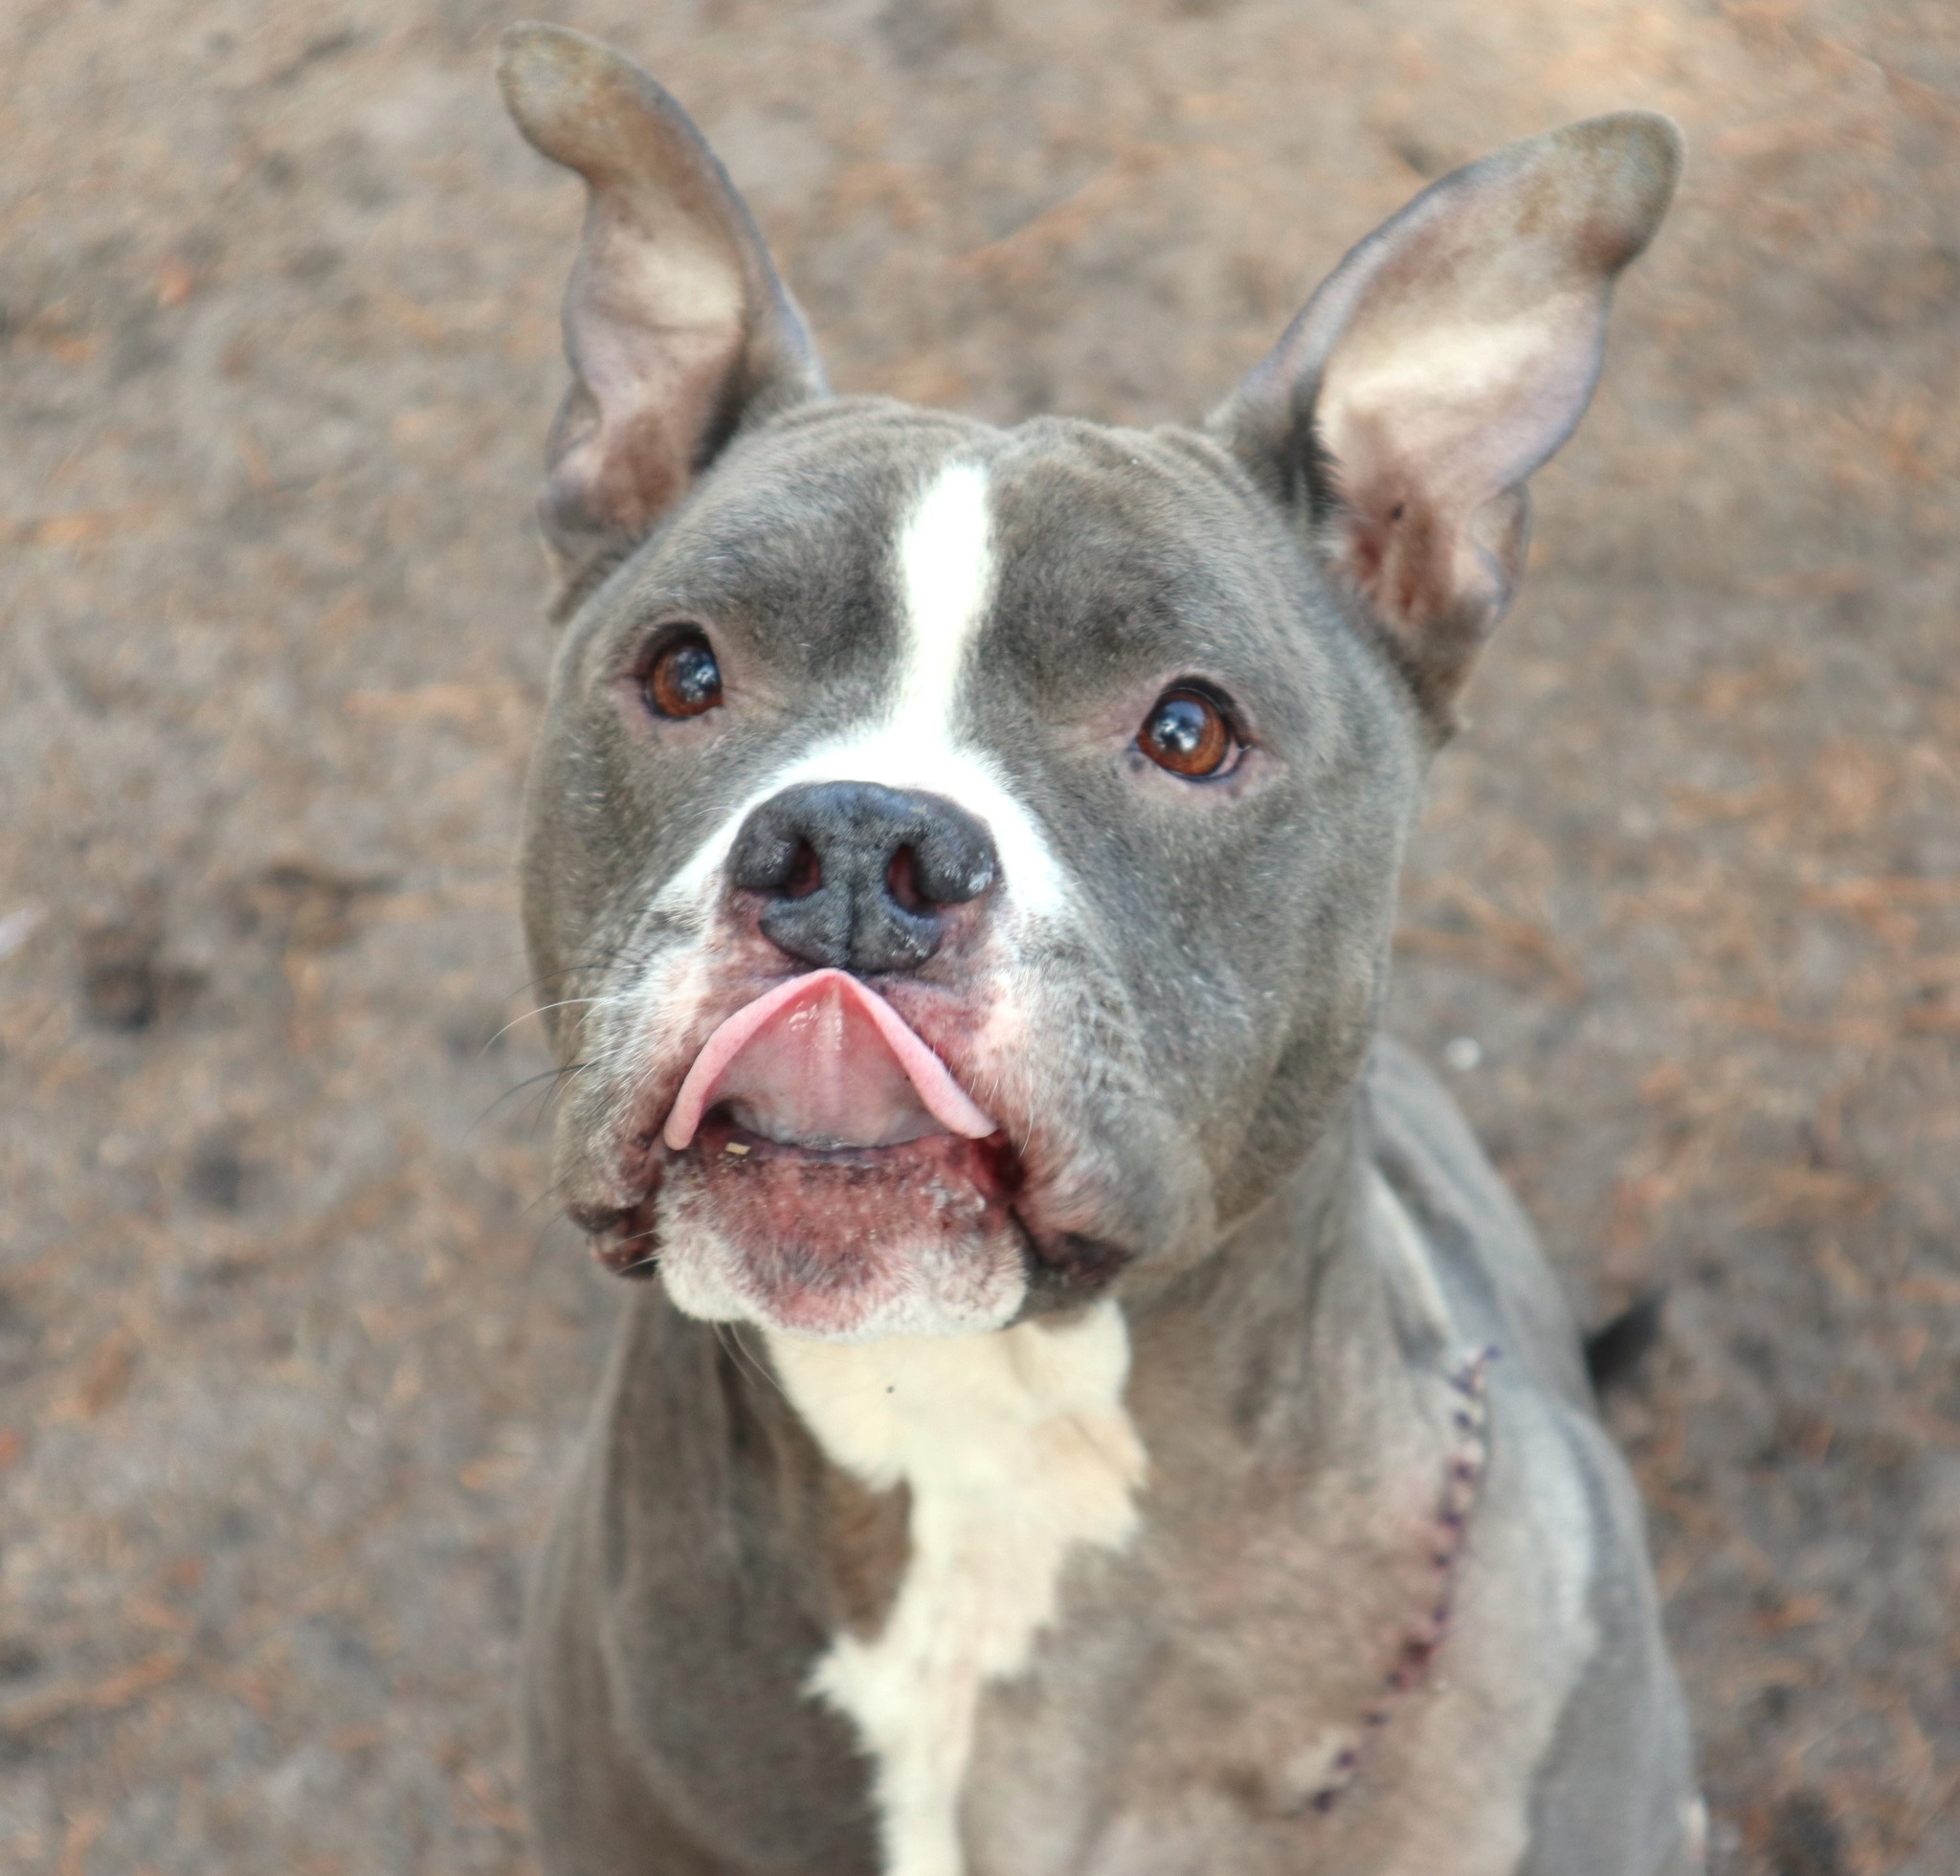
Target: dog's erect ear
{"x":677,"y":327}
{"x":1440,"y":365}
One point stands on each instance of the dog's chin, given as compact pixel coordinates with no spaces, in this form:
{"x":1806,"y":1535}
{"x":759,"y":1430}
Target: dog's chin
{"x":847,"y":1243}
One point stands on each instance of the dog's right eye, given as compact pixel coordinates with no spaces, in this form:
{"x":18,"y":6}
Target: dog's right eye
{"x":684,"y":680}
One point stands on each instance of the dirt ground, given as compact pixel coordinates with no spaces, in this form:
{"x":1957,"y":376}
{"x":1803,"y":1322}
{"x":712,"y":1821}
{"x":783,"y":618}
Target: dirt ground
{"x":291,"y":1345}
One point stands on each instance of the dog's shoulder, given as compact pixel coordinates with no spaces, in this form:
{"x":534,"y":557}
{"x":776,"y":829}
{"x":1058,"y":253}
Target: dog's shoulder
{"x":1482,"y":1248}
{"x":1567,"y":1532}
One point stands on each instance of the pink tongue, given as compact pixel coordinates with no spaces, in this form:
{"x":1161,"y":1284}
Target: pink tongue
{"x":824,"y":1061}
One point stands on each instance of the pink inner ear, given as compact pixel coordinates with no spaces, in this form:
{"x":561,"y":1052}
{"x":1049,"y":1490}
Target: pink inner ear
{"x":1472,"y":395}
{"x":631,"y":456}
{"x":675,"y":321}
{"x":1427,"y":425}
{"x":653,"y":329}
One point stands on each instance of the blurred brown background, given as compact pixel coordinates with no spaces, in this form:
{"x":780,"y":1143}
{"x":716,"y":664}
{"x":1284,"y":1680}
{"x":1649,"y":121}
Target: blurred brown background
{"x":291,"y":1347}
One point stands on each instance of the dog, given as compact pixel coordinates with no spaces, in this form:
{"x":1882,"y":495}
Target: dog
{"x":1098,"y":1413}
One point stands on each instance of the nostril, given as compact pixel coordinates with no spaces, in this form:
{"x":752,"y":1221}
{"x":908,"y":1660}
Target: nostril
{"x":806,"y":872}
{"x":902,"y":881}
{"x":949,"y":868}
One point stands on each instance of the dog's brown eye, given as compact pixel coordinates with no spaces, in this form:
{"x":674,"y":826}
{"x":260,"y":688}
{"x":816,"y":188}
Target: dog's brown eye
{"x":1186,"y":733}
{"x":684,"y":681}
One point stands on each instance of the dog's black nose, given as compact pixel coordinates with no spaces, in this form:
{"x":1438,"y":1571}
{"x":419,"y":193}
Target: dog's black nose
{"x":855,"y":876}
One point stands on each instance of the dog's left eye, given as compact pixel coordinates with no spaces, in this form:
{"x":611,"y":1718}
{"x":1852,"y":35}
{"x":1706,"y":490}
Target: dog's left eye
{"x":1186,"y":733}
{"x":684,"y":680}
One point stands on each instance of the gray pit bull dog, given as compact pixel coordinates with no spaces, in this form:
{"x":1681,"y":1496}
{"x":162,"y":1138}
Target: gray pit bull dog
{"x":1100,"y":1414}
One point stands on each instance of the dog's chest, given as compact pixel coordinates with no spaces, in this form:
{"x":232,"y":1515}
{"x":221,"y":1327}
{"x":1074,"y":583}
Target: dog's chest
{"x":1017,"y":1455}
{"x":1298,"y":1609}
{"x":1294,"y":1608}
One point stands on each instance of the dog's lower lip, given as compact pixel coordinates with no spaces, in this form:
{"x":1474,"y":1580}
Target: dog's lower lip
{"x":723,"y":1136}
{"x":732,"y":1153}
{"x":751,"y":1131}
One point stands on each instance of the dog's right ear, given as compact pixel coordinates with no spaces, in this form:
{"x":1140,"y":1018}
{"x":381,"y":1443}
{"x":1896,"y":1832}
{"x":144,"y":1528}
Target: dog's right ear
{"x":677,"y":327}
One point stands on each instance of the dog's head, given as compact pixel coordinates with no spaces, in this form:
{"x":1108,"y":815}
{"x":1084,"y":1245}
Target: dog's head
{"x":963,"y":860}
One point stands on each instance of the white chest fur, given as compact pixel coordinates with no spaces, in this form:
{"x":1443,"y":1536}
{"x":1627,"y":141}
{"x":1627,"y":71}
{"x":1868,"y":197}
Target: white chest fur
{"x":1016,"y":1449}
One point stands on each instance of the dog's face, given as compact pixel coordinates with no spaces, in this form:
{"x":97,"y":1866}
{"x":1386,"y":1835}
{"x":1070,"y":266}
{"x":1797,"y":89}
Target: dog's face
{"x":1047,"y":739}
{"x":963,"y":860}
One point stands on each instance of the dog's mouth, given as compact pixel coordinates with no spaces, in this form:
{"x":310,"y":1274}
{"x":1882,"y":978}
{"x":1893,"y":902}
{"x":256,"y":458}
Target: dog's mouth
{"x":820,"y":1168}
{"x":821,"y":1064}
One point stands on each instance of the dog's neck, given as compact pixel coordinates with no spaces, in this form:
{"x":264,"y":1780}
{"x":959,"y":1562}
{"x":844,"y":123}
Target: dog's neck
{"x":1300,"y":1326}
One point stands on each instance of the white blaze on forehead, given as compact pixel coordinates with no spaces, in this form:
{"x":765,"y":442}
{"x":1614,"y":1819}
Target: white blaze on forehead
{"x":946,"y":576}
{"x":1017,"y":1452}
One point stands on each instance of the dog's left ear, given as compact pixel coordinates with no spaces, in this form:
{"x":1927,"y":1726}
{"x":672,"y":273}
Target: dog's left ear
{"x":676,"y":326}
{"x":1440,"y":365}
